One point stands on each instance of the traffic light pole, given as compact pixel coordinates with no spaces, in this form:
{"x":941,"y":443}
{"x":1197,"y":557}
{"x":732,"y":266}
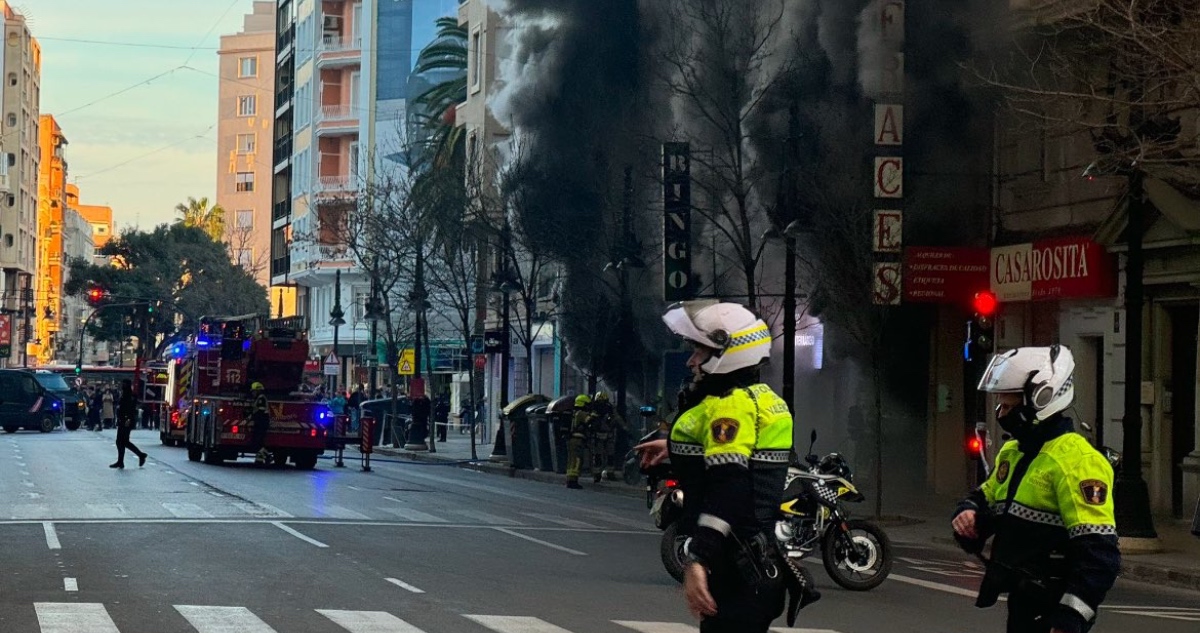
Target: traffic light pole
{"x":88,"y":321}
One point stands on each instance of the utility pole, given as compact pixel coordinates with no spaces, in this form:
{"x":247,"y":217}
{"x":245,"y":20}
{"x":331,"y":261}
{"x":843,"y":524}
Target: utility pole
{"x":1131,"y":495}
{"x":502,"y":277}
{"x":624,"y":258}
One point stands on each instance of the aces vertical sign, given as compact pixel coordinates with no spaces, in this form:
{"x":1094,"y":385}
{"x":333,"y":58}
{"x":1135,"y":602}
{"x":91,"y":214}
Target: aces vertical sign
{"x":677,"y":222}
{"x":887,"y":177}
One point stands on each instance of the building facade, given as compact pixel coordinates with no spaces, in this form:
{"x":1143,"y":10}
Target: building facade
{"x":20,"y":96}
{"x":100,"y":217}
{"x":52,"y":207}
{"x":245,"y":134}
{"x":344,"y":83}
{"x":76,"y":244}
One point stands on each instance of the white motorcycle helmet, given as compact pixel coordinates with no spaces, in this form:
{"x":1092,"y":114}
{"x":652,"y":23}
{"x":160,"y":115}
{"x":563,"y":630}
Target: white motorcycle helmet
{"x":1044,"y":375}
{"x":738,"y":338}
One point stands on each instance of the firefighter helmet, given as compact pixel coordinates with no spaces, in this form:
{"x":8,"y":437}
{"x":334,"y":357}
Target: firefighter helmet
{"x":582,"y":400}
{"x":257,"y":386}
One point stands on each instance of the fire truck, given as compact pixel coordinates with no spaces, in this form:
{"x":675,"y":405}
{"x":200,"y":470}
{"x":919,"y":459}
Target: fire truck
{"x":226,"y":356}
{"x":172,"y":418}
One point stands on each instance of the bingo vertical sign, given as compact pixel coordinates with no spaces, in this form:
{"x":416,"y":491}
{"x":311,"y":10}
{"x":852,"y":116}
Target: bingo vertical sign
{"x":677,"y":222}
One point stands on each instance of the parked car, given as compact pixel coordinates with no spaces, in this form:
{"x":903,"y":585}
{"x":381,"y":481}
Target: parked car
{"x":74,"y":408}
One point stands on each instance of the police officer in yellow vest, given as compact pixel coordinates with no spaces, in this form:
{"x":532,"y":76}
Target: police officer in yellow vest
{"x":260,"y":416}
{"x":730,"y":448}
{"x":579,"y":439}
{"x":1047,"y":503}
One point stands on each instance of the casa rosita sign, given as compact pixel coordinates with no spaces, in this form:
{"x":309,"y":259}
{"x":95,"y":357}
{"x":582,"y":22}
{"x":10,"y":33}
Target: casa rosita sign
{"x":1045,"y":270}
{"x":1061,"y":268}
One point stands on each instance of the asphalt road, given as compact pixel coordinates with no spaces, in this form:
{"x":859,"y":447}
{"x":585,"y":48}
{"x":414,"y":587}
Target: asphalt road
{"x":408,"y":548}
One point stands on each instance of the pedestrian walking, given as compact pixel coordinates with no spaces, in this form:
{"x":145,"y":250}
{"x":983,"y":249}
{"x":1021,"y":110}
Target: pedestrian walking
{"x":107,"y":411}
{"x":95,"y":405}
{"x":466,"y":416}
{"x":127,"y":415}
{"x":1047,"y":504}
{"x":730,"y":447}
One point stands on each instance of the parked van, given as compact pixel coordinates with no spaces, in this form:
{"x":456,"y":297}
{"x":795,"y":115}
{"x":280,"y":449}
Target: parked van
{"x":26,"y":404}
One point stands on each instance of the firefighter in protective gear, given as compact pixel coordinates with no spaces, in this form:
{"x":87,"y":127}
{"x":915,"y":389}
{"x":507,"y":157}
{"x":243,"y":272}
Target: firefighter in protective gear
{"x":604,"y":425}
{"x":578,"y":441}
{"x":730,"y":447}
{"x":1047,"y":504}
{"x":260,"y":416}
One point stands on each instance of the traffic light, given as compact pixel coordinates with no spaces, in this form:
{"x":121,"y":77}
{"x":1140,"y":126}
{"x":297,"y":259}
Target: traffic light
{"x":981,"y":328}
{"x":974,"y":447}
{"x":78,"y":370}
{"x":95,"y":295}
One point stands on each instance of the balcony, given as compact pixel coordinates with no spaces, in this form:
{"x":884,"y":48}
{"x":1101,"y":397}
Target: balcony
{"x":336,"y":51}
{"x":280,"y":267}
{"x":283,"y":151}
{"x":284,"y":40}
{"x":281,"y":209}
{"x":336,"y":120}
{"x":283,"y":99}
{"x":334,"y":187}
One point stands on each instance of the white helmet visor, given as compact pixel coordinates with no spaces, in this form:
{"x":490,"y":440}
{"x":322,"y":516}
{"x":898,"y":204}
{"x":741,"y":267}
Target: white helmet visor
{"x":679,"y":319}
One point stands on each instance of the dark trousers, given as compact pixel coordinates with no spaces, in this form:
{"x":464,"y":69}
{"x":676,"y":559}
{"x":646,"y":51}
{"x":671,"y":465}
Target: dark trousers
{"x":1025,"y":615}
{"x":124,"y":443}
{"x":261,"y":424}
{"x":740,"y":607}
{"x":441,"y":429}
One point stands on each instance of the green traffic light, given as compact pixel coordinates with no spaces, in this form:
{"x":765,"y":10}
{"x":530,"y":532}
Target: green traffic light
{"x":78,"y":370}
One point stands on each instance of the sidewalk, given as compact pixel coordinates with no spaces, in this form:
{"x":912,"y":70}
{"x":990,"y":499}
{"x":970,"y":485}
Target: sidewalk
{"x":920,"y":521}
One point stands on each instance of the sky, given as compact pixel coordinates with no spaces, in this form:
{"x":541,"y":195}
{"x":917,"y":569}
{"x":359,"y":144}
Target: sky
{"x":146,"y":149}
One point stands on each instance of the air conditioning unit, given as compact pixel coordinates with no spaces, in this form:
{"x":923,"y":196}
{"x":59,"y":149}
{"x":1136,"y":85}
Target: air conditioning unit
{"x":333,"y":23}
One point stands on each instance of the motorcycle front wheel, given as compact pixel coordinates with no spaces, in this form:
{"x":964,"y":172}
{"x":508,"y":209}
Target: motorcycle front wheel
{"x":859,"y":559}
{"x":671,"y":550}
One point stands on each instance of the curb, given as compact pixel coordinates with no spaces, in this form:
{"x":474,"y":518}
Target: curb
{"x":1134,"y":570}
{"x":504,"y":469}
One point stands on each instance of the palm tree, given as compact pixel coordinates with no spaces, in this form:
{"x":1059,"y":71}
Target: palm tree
{"x":447,"y":53}
{"x":198,"y":213}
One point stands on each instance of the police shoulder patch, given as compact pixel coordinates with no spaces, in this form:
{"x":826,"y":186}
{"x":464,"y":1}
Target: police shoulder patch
{"x":724,"y":430}
{"x":1095,"y":492}
{"x":1002,"y":472}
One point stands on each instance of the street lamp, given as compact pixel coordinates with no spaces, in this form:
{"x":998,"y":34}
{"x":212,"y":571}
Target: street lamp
{"x":337,"y":321}
{"x":373,"y":314}
{"x":789,"y":234}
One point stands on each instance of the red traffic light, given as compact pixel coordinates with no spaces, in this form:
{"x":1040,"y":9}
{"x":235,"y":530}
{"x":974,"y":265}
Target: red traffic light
{"x":985,"y":303}
{"x":95,"y":295}
{"x":974,"y":448}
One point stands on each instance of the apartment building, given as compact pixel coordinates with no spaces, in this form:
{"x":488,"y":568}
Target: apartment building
{"x":21,"y":60}
{"x":245,"y":122}
{"x":100,"y":218}
{"x":52,"y":208}
{"x":343,"y":84}
{"x":76,"y":239}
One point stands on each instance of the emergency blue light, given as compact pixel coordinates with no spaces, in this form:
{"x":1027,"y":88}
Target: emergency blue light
{"x":246,"y":345}
{"x":201,"y":342}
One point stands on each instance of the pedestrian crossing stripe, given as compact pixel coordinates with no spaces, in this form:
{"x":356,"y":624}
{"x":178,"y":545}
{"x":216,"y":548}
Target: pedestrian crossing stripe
{"x":71,"y":617}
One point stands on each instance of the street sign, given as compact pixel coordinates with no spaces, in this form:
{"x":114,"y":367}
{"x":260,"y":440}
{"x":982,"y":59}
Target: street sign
{"x":477,"y":345}
{"x":5,"y":335}
{"x":332,"y":365}
{"x":408,"y":362}
{"x":480,"y":361}
{"x":495,"y":342}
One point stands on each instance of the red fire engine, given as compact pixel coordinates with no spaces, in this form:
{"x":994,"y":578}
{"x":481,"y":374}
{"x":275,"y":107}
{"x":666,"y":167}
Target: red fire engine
{"x":228,"y":355}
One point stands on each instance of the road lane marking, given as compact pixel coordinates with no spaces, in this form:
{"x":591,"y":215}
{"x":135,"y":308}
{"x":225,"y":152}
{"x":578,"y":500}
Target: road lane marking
{"x":186,"y":510}
{"x":515,"y":624}
{"x":107,"y":510}
{"x":1185,"y":614}
{"x":403,"y":585}
{"x":550,"y":518}
{"x":338,"y":512}
{"x":780,"y":629}
{"x":936,"y":586}
{"x":223,"y":619}
{"x":355,"y":488}
{"x":71,"y":584}
{"x":540,"y":542}
{"x":410,"y":514}
{"x":298,"y":534}
{"x":261,"y":510}
{"x":51,"y":535}
{"x":616,"y":520}
{"x":69,"y":617}
{"x":369,"y":621}
{"x":484,"y":518}
{"x":656,"y":627}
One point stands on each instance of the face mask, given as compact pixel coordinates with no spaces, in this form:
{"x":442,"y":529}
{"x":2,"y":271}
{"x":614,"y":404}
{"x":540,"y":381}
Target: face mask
{"x":1018,"y":422}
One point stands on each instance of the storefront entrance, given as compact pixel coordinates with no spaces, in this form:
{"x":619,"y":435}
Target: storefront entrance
{"x":1184,"y":323}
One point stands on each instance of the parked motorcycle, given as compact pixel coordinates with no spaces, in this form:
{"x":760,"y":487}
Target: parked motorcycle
{"x":857,"y":554}
{"x":664,"y":499}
